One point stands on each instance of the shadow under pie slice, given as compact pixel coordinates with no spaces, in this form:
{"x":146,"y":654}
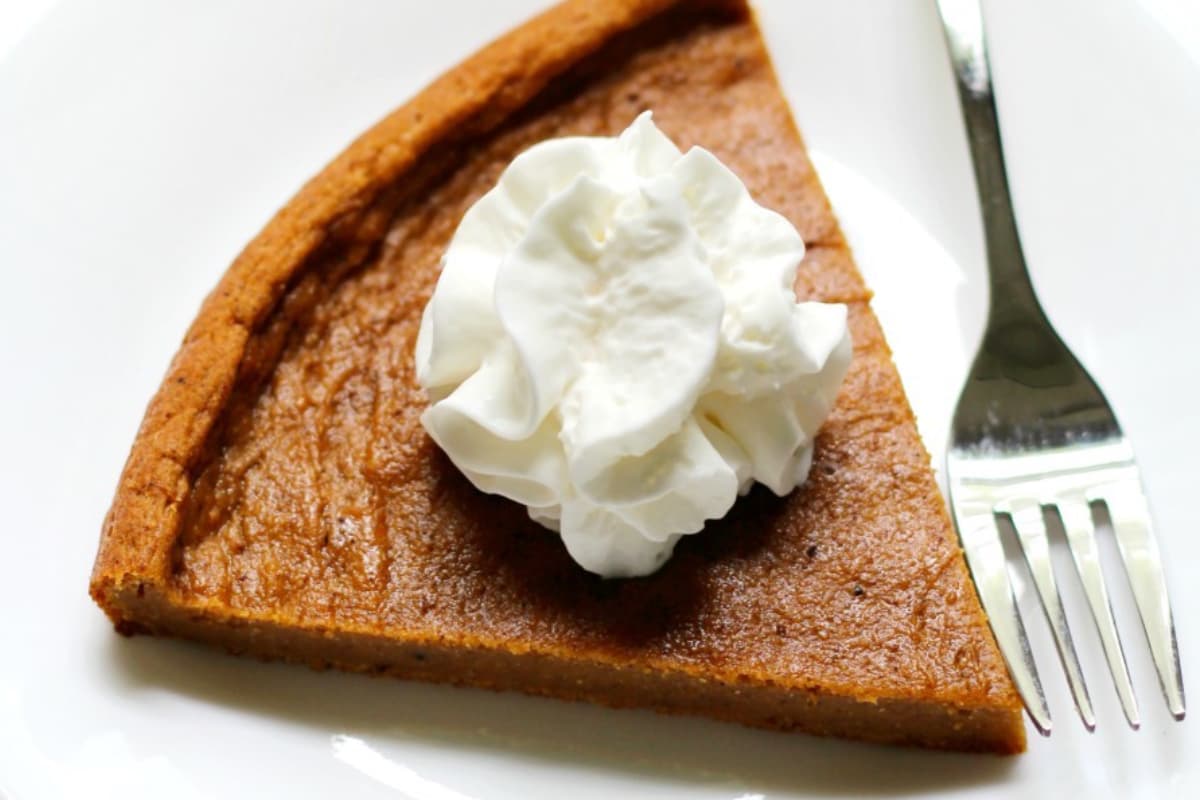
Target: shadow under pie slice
{"x":282,"y":499}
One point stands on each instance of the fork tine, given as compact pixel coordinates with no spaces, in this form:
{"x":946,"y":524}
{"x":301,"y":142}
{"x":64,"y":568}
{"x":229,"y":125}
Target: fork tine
{"x":1129,"y":514}
{"x":1030,"y":525}
{"x":985,"y":556}
{"x":1081,"y":535}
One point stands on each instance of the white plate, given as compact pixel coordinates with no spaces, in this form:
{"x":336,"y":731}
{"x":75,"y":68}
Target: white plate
{"x":142,"y":143}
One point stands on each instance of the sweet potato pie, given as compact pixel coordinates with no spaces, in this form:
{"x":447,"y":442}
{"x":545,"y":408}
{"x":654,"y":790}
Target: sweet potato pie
{"x":282,"y":499}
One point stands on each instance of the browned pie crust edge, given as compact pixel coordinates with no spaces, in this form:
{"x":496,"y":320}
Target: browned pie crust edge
{"x":132,"y":568}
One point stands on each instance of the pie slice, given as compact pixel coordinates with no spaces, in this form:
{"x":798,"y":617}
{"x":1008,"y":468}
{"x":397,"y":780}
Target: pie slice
{"x":282,"y":499}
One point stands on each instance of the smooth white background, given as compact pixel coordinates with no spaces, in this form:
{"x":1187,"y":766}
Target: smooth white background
{"x":143,"y":143}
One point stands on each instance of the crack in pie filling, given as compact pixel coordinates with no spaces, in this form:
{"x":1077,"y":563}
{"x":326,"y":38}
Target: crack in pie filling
{"x":282,"y":498}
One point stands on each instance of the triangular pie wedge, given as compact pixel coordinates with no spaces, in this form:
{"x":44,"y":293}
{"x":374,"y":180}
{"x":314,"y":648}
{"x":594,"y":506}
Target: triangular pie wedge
{"x":282,"y":499}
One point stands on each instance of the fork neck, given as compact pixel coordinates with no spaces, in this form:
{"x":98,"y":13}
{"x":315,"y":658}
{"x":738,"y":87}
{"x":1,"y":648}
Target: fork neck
{"x":1011,"y":289}
{"x":1008,"y":275}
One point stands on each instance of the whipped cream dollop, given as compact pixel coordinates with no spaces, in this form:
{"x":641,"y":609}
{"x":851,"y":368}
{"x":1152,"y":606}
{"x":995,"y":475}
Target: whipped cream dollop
{"x":615,"y":343}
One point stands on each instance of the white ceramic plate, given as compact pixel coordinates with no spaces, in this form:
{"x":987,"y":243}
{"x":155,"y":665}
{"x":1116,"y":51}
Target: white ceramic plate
{"x":143,"y":143}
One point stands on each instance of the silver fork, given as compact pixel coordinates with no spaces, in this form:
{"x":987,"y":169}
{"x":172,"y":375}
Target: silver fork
{"x":1034,"y":442}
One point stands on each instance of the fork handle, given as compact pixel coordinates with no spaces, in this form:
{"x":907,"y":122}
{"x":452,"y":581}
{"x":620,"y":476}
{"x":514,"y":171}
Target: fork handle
{"x":1011,"y":289}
